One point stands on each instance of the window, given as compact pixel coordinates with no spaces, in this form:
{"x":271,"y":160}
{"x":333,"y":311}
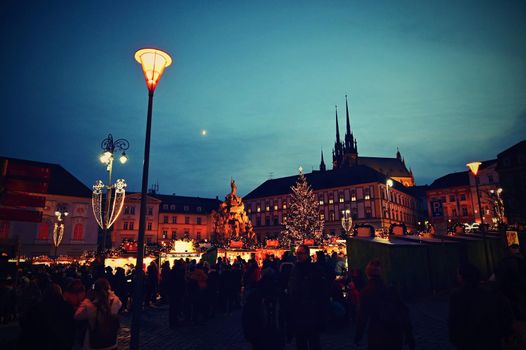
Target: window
{"x":490,"y":179}
{"x":258,"y":209}
{"x":368,"y":213}
{"x":126,"y":210}
{"x":174,"y":234}
{"x":174,"y":219}
{"x":464,"y":211}
{"x":150,"y":211}
{"x":43,"y":231}
{"x":172,"y":207}
{"x":131,"y":225}
{"x":267,"y":207}
{"x":187,"y":220}
{"x":275,"y":207}
{"x":165,"y":234}
{"x":125,"y":226}
{"x":341,"y":199}
{"x":165,"y":206}
{"x":4,"y":230}
{"x":332,"y":217}
{"x":462,"y":197}
{"x":198,"y":221}
{"x":149,"y":239}
{"x":284,"y":206}
{"x":78,"y":232}
{"x":165,"y":219}
{"x":149,"y":226}
{"x":322,"y":216}
{"x":198,"y":236}
{"x":452,"y":198}
{"x":132,"y":210}
{"x":321,"y":202}
{"x":186,"y":208}
{"x":267,"y":220}
{"x":454,"y":213}
{"x":258,"y":221}
{"x":367,"y":197}
{"x":199,"y":209}
{"x":353,"y":196}
{"x":331,"y":200}
{"x":275,"y":221}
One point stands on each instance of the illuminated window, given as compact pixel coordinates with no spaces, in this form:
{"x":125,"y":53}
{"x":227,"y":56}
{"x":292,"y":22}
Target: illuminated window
{"x":331,"y":201}
{"x":284,"y":206}
{"x":4,"y":230}
{"x":78,"y":232}
{"x":275,"y":207}
{"x":321,"y":201}
{"x":258,"y":209}
{"x":267,"y":207}
{"x":322,"y":216}
{"x":342,"y":199}
{"x":367,"y":197}
{"x":353,"y":198}
{"x":43,"y":231}
{"x":249,"y":210}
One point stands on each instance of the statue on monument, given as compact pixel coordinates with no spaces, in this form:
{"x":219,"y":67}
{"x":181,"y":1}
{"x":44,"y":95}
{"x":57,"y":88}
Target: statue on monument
{"x":230,"y":221}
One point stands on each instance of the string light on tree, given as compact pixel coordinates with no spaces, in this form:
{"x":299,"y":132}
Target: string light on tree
{"x":303,"y":217}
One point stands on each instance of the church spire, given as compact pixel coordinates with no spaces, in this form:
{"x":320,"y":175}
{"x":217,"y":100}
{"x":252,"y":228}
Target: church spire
{"x":347,"y":114}
{"x":322,"y":163}
{"x":337,"y":127}
{"x":398,"y":155}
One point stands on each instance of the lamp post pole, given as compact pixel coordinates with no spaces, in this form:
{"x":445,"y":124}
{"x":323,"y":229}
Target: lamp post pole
{"x":474,"y":167}
{"x":153,"y":63}
{"x":388,"y":184}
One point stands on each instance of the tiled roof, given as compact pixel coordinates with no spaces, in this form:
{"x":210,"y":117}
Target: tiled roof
{"x":389,"y":166}
{"x":61,"y":181}
{"x":319,"y":180}
{"x":451,"y":180}
{"x":192,"y":203}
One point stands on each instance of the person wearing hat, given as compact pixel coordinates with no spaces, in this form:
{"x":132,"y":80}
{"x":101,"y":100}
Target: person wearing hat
{"x":383,"y":314}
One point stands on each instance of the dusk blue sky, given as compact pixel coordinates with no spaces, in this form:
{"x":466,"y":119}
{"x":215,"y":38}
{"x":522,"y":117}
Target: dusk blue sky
{"x":444,"y":81}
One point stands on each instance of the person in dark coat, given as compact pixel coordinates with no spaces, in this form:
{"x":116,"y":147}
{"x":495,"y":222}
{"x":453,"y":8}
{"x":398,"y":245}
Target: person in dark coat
{"x":478,"y":318}
{"x":308,"y":297}
{"x":176,"y":292}
{"x":263,"y":317}
{"x":383,"y":314}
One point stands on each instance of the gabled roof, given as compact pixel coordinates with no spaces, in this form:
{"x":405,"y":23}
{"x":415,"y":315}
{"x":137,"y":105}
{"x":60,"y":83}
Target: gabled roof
{"x":389,"y":166}
{"x":192,"y":203}
{"x":514,"y":148}
{"x":61,"y":182}
{"x":451,"y":180}
{"x":319,"y":180}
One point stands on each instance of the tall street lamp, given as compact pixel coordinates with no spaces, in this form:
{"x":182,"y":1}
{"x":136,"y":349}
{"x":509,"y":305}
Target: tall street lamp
{"x":58,"y":228}
{"x":347,"y":221}
{"x":153,"y":63}
{"x":388,"y":185}
{"x":106,"y":215}
{"x":474,"y":167}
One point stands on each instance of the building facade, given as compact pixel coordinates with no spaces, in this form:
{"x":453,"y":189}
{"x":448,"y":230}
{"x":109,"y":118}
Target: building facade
{"x":453,"y":198}
{"x":511,"y":167}
{"x":168,"y":217}
{"x":31,"y":194}
{"x":360,"y":189}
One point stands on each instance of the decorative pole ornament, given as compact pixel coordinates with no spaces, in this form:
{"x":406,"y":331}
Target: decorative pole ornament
{"x":58,"y":228}
{"x":106,"y":215}
{"x":347,"y":221}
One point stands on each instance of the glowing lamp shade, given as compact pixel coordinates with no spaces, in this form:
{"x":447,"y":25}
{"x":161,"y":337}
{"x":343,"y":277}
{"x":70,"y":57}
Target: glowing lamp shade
{"x":389,"y":183}
{"x":153,"y":63}
{"x":474,"y":167}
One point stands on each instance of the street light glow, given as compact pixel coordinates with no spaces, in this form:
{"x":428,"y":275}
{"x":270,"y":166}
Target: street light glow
{"x":474,"y":167}
{"x":123,"y":159}
{"x":389,"y":182}
{"x":153,"y":63}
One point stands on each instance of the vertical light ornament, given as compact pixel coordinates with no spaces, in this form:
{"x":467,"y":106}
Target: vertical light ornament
{"x":96,"y":202}
{"x":118,"y":202}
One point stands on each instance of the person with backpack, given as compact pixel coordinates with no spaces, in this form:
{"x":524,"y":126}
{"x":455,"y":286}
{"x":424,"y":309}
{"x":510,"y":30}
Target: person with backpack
{"x":381,"y":309}
{"x":101,"y":312}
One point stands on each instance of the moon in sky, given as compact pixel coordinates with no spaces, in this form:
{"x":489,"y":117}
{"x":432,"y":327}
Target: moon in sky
{"x":204,"y":132}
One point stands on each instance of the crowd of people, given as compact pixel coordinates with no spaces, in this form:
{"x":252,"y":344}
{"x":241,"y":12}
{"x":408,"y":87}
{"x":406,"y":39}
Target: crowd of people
{"x":295,"y":296}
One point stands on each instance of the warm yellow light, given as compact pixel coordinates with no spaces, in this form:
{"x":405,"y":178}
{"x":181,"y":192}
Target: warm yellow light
{"x":499,"y":191}
{"x":389,"y":182}
{"x":105,"y":157}
{"x":153,"y":63}
{"x":474,"y":167}
{"x":123,"y":159}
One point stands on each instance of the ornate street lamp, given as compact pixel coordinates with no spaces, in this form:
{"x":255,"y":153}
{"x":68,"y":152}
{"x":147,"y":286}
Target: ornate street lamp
{"x":388,"y":185}
{"x":153,"y":63}
{"x":474,"y":167}
{"x":106,"y":215}
{"x":58,"y":228}
{"x":347,"y":221}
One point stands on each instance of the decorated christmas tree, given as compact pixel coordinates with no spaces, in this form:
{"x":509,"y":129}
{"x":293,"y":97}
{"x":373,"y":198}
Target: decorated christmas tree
{"x":303,"y":217}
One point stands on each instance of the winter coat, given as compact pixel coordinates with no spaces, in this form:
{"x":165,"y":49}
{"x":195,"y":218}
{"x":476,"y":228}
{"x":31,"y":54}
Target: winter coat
{"x":88,"y":311}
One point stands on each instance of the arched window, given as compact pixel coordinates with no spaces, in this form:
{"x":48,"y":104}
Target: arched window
{"x":43,"y":231}
{"x":78,"y":232}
